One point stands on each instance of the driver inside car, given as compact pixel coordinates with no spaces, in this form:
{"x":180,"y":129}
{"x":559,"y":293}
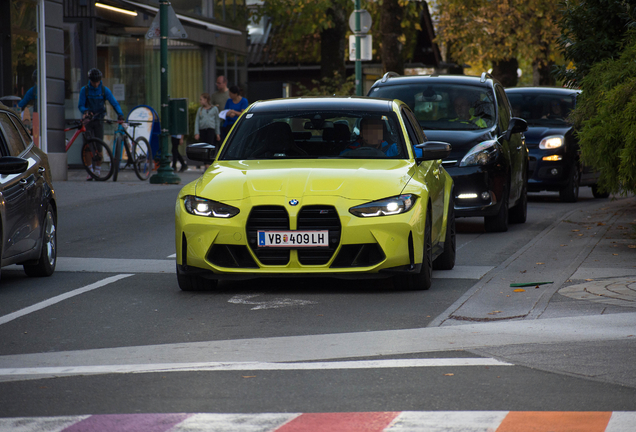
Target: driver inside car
{"x":372,"y":135}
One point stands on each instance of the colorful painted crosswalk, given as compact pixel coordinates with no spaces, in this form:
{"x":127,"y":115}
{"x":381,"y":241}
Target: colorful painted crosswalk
{"x":405,"y":421}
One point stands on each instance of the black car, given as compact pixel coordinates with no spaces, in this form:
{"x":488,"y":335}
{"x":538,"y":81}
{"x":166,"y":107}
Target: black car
{"x":28,"y":211}
{"x":489,"y":158}
{"x":553,"y":146}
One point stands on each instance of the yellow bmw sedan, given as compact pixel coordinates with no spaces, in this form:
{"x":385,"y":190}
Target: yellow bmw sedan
{"x":332,"y":187}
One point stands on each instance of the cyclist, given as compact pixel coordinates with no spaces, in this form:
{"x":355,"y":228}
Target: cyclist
{"x":92,"y":105}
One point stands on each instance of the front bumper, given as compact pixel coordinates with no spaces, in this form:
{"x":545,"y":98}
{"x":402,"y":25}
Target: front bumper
{"x":490,"y":179}
{"x":548,"y":175}
{"x":359,"y":247}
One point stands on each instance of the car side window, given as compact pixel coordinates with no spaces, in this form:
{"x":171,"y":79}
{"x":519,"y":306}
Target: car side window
{"x":503,"y":108}
{"x":421,"y":136}
{"x":410,"y":130}
{"x":13,"y":137}
{"x":26,"y":136}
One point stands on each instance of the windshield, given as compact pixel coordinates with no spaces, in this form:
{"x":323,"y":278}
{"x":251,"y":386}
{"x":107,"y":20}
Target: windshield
{"x":312,"y":134}
{"x":542,"y":109}
{"x":445,"y":106}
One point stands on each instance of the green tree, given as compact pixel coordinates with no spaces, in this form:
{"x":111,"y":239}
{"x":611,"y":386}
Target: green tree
{"x":500,"y":32}
{"x":592,"y":30}
{"x":606,"y":118}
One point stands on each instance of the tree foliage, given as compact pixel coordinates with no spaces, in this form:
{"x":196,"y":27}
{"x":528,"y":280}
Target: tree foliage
{"x":606,"y":118}
{"x":300,"y":27}
{"x":592,"y":30}
{"x":494,"y":31}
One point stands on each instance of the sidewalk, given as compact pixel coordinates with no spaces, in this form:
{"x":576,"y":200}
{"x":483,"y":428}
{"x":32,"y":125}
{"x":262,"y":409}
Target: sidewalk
{"x":589,"y":258}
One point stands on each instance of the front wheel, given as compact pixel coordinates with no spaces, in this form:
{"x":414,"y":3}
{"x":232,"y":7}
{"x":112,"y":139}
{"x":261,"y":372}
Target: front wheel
{"x":142,"y":155}
{"x":519,"y":213}
{"x":499,"y":222}
{"x":48,"y":255}
{"x":570,"y":193}
{"x":117,"y":153}
{"x":423,"y":279}
{"x":97,"y":159}
{"x":189,"y":282}
{"x":446,"y":261}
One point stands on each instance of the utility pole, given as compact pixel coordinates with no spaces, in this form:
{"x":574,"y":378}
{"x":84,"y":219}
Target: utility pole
{"x":358,"y":50}
{"x":165,"y":174}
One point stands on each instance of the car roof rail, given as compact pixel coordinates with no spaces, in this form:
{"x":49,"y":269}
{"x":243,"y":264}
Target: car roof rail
{"x":485,"y":76}
{"x":388,"y":75}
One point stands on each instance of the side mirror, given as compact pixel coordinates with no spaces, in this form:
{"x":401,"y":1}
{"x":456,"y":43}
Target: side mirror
{"x":202,"y":152}
{"x":516,"y":125}
{"x":433,"y":150}
{"x":13,"y":165}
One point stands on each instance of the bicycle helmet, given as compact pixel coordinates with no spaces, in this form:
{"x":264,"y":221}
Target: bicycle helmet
{"x":95,"y":75}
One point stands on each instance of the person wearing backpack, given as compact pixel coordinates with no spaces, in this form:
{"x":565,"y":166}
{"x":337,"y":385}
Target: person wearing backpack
{"x":92,"y":105}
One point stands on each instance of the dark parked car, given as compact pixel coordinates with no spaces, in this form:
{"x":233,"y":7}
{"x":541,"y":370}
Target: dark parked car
{"x":489,"y":158}
{"x":27,"y":201}
{"x":554,"y":150}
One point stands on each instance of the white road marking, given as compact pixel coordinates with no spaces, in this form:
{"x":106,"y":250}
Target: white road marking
{"x":46,"y":303}
{"x":251,"y":366}
{"x":271,"y":304}
{"x":172,"y":256}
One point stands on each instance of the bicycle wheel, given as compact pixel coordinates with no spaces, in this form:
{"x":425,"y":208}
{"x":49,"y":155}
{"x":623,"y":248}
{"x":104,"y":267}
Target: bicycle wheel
{"x":97,"y":159}
{"x":142,"y":155}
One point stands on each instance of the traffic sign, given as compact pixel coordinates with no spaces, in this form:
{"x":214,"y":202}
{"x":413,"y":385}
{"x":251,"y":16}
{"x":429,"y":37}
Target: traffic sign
{"x":365,"y":21}
{"x":175,"y":28}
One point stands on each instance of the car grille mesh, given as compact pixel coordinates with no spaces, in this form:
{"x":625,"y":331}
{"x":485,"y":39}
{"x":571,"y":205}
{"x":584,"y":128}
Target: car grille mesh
{"x":319,"y":218}
{"x":267,"y":218}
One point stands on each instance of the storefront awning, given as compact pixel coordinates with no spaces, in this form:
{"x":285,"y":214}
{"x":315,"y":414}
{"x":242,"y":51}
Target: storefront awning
{"x":185,"y":19}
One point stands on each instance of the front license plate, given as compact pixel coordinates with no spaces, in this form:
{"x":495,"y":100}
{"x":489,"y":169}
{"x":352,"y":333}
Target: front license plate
{"x":293,"y":239}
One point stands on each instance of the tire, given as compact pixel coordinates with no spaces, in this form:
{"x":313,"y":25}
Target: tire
{"x":446,"y":261}
{"x":143,"y":158}
{"x":519,"y":213}
{"x":570,"y":193}
{"x":189,"y":282}
{"x":597,"y":193}
{"x":499,"y":222}
{"x":117,"y":152}
{"x":423,"y":279}
{"x":95,"y":153}
{"x":48,"y":255}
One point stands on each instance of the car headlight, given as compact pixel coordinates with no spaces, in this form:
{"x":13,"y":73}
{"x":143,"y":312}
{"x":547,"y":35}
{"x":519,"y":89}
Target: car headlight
{"x":551,"y":142}
{"x":481,"y":154}
{"x":385,"y":207}
{"x":204,"y":207}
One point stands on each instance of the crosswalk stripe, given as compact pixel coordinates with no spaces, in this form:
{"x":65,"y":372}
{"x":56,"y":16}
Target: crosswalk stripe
{"x":250,"y":366}
{"x":405,"y":421}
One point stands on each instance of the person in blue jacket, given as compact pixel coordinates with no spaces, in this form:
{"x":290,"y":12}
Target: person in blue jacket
{"x":92,"y":103}
{"x":31,"y":94}
{"x":234,"y":106}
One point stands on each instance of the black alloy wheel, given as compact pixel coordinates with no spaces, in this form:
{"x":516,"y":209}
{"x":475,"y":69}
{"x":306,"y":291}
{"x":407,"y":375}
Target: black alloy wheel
{"x":499,"y":222}
{"x":48,"y":254}
{"x":423,"y":279}
{"x":446,"y":261}
{"x":570,"y":193}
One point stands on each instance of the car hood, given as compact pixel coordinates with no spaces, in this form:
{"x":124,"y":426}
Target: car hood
{"x":351,"y":179}
{"x":460,"y":141}
{"x":535,"y":134}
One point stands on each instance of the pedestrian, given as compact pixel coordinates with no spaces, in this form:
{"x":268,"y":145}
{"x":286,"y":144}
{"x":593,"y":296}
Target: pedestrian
{"x":206,"y":122}
{"x":92,"y":105}
{"x":177,"y":140}
{"x":219,"y":97}
{"x":234,"y":106}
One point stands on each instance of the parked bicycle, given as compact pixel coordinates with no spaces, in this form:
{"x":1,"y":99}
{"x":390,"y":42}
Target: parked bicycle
{"x":96,"y":155}
{"x":139,"y":155}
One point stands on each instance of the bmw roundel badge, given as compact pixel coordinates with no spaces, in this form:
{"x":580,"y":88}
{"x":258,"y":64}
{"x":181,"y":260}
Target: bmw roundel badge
{"x":293,"y":202}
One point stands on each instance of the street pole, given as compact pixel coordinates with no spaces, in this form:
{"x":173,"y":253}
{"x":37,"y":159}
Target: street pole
{"x":358,"y":50}
{"x":165,"y":174}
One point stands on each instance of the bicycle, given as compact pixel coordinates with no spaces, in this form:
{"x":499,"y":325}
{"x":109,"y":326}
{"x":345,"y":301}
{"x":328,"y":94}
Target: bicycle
{"x":96,"y":155}
{"x":139,"y":156}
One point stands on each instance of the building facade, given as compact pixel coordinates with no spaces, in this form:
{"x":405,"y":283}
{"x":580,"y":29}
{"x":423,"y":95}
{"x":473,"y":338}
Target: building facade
{"x":63,"y":39}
